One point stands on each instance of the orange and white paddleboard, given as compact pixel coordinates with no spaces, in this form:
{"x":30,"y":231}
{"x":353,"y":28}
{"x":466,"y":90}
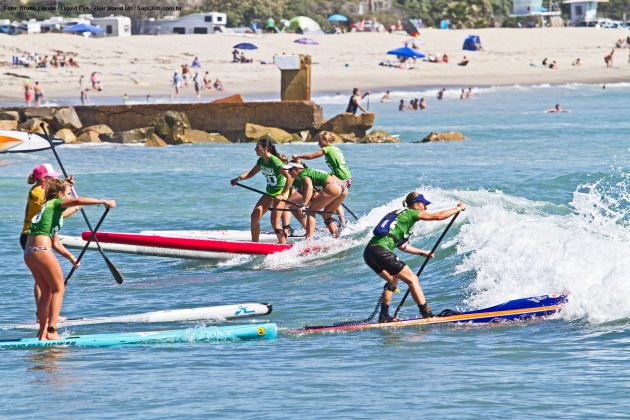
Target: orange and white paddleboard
{"x":23,"y":142}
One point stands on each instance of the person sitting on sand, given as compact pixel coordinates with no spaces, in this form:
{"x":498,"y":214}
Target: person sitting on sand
{"x":445,"y":58}
{"x":207,"y":81}
{"x":196,"y":63}
{"x":577,"y":62}
{"x":557,"y":109}
{"x":235,"y":56}
{"x":218,"y":85}
{"x":72,"y":62}
{"x":553,"y":65}
{"x":464,"y":61}
{"x":544,"y":62}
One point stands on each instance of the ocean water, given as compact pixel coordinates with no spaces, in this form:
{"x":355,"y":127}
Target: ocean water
{"x":548,"y":200}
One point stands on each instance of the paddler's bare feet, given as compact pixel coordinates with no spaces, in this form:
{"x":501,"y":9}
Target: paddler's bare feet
{"x":52,"y":336}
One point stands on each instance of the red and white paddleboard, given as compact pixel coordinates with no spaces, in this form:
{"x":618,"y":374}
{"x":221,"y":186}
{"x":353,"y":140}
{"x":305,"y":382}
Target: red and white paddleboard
{"x":188,"y":243}
{"x":24,"y":142}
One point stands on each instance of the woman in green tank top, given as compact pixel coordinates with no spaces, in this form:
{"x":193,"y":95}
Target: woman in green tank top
{"x":38,"y":255}
{"x":333,"y":192}
{"x":278,"y":186}
{"x":334,"y":159}
{"x":379,"y":255}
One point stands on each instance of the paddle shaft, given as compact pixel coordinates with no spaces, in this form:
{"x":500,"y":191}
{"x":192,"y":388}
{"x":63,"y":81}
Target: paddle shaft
{"x":267,"y":194}
{"x":115,"y":272}
{"x":87,"y":244}
{"x":426,"y":261}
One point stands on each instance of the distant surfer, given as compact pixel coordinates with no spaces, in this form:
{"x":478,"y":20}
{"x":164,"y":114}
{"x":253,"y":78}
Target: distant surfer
{"x":557,"y":108}
{"x":393,"y":232}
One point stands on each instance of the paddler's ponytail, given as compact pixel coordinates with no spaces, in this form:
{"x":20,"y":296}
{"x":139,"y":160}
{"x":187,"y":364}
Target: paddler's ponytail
{"x":266,"y":144}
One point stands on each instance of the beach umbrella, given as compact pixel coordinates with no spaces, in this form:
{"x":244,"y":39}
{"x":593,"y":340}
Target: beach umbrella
{"x":245,"y":46}
{"x":306,"y":41}
{"x":406,"y":52}
{"x":337,"y":18}
{"x":83,"y":27}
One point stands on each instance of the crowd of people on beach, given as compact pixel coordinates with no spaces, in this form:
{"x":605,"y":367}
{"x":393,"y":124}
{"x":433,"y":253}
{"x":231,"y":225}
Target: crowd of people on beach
{"x":36,"y":60}
{"x":180,"y":79}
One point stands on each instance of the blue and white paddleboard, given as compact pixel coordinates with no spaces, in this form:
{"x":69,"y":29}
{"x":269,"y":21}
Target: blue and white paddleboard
{"x":531,"y":307}
{"x":25,"y":142}
{"x":266,"y":331}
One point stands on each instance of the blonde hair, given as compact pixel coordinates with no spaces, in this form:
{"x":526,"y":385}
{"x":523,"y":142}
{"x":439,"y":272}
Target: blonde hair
{"x":54,"y":187}
{"x":327,"y":136}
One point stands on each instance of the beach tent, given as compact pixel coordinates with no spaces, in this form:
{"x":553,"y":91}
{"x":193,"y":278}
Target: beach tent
{"x":472,"y":43}
{"x":83,"y":27}
{"x":305,"y":25}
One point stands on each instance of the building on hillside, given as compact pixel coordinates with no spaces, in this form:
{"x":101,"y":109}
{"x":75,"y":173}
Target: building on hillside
{"x":113,"y":25}
{"x":548,"y":14}
{"x":197,"y":23}
{"x":583,"y":10}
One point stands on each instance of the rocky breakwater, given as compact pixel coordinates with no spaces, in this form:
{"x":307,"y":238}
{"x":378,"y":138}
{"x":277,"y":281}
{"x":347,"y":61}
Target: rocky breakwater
{"x":156,"y":125}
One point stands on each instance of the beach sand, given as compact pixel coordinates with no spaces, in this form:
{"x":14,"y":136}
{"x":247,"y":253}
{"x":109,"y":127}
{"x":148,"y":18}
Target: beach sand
{"x":144,"y":65}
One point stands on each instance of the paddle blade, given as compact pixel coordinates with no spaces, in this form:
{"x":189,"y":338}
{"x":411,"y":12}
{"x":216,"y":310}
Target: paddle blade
{"x":117,"y":275}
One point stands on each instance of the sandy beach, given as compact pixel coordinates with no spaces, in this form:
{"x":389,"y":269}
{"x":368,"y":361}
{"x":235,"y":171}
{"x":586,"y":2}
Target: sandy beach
{"x":144,"y":65}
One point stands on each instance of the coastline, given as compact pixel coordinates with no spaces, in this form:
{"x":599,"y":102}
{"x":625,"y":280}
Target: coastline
{"x":144,"y":65}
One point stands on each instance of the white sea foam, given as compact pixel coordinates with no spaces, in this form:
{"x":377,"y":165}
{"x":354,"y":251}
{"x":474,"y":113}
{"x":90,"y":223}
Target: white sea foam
{"x":519,"y":251}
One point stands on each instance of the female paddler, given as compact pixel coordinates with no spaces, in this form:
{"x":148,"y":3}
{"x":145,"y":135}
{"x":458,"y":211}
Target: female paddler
{"x":38,"y":255}
{"x":393,"y":232}
{"x":36,"y":196}
{"x":333,"y":192}
{"x":334,"y":159}
{"x":278,"y":186}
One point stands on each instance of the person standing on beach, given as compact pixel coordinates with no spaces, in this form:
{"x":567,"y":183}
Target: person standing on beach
{"x":197,"y":84}
{"x":278,"y":188}
{"x":609,"y":59}
{"x":355,"y":101}
{"x":28,"y":93}
{"x":39,"y":94}
{"x":38,"y":255}
{"x":93,"y":80}
{"x":84,"y":96}
{"x":392,"y":232}
{"x":177,"y":81}
{"x":81,"y":82}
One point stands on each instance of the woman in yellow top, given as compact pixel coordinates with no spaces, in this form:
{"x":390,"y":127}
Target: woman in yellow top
{"x":40,"y":176}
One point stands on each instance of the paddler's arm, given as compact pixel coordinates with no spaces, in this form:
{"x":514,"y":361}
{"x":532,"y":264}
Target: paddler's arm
{"x":63,"y":251}
{"x":308,"y":190}
{"x":246,"y":175}
{"x":286,"y":191}
{"x":309,"y":156}
{"x":441,"y":215}
{"x":415,"y":251}
{"x":86,"y":201}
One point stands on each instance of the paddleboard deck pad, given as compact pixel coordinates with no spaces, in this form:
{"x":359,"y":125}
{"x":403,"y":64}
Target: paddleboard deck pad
{"x":518,"y":309}
{"x":266,"y":331}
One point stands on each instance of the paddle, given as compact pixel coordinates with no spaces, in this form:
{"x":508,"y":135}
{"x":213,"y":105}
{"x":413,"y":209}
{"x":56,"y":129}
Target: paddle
{"x":264,"y":193}
{"x":87,"y":244}
{"x":303,"y":211}
{"x":117,"y":275}
{"x":426,"y":261}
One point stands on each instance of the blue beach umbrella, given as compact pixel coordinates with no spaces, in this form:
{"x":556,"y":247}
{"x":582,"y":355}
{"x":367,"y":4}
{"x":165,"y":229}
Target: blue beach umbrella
{"x":337,"y":18}
{"x":245,"y":46}
{"x":306,"y":41}
{"x":406,"y":52}
{"x":83,"y":27}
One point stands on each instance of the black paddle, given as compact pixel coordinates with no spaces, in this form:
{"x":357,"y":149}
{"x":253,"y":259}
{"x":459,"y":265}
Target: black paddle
{"x":87,"y":244}
{"x":264,"y":193}
{"x":426,"y":261}
{"x":117,"y":275}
